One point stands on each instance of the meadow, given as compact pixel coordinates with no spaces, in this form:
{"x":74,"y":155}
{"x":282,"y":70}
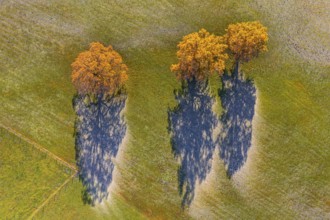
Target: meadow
{"x":27,"y":177}
{"x":288,"y":173}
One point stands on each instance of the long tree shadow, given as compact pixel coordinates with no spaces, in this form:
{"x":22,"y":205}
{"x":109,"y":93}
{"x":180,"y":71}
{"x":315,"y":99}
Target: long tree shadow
{"x":238,"y":100}
{"x":191,"y":125}
{"x":100,"y":130}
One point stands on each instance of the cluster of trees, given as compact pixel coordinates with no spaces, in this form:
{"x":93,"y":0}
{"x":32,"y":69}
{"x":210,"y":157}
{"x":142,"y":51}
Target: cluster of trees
{"x":202,"y":54}
{"x":101,"y":70}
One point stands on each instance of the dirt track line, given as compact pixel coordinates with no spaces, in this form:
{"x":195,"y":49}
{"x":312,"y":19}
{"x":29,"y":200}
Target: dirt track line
{"x":51,"y":196}
{"x":39,"y":147}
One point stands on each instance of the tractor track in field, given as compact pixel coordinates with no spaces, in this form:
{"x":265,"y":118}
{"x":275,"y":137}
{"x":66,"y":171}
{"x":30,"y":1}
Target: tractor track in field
{"x":51,"y":196}
{"x":39,"y":147}
{"x":53,"y":156}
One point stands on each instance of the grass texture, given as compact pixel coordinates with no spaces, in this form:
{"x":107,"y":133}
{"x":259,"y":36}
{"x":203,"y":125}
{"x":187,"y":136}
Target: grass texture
{"x":288,"y":176}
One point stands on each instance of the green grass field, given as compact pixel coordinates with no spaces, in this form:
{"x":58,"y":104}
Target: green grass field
{"x":289,"y":176}
{"x":27,"y":177}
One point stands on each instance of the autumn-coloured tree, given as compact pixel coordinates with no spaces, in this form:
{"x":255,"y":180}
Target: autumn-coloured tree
{"x":98,"y":71}
{"x":200,"y":54}
{"x":98,"y":75}
{"x":246,"y":40}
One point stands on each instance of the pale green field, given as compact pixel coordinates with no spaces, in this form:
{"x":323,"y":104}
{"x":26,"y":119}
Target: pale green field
{"x":291,"y":173}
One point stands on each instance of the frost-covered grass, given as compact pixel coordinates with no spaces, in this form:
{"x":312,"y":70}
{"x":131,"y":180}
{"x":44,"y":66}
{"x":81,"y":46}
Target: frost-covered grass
{"x":39,"y":40}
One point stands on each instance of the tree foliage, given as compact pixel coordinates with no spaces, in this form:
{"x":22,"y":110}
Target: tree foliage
{"x":200,"y":54}
{"x":246,"y":40}
{"x":100,"y":70}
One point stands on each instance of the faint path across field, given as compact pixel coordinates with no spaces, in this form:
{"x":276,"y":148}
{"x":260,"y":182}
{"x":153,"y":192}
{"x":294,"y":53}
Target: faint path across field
{"x":39,"y":147}
{"x":52,"y":195}
{"x":44,"y":150}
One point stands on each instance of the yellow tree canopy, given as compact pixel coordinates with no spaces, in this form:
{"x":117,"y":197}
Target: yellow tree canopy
{"x":246,"y":40}
{"x":100,"y":70}
{"x":200,"y":54}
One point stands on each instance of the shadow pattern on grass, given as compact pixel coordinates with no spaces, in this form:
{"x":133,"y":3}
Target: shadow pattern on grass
{"x":191,"y":125}
{"x":99,"y":131}
{"x":238,"y":98}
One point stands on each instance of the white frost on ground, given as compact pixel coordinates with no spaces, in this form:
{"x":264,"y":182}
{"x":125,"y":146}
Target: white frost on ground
{"x":304,"y":26}
{"x":240,"y":177}
{"x":196,"y":209}
{"x":119,"y":158}
{"x":103,"y":207}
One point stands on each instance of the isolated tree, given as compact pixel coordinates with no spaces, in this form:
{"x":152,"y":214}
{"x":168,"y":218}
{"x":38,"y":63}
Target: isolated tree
{"x":200,"y":54}
{"x":98,"y":71}
{"x":246,"y":40}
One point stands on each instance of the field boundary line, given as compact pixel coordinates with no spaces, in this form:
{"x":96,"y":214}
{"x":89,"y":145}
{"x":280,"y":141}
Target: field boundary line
{"x":52,"y":196}
{"x":39,"y":147}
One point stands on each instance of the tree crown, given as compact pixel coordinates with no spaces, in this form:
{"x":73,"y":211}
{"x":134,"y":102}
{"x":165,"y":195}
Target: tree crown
{"x":246,"y":40}
{"x":200,"y":54}
{"x":100,"y":70}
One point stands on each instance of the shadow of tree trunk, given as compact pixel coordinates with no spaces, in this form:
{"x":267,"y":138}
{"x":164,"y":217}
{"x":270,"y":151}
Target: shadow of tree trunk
{"x":238,"y":101}
{"x":191,"y":125}
{"x":100,"y":129}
